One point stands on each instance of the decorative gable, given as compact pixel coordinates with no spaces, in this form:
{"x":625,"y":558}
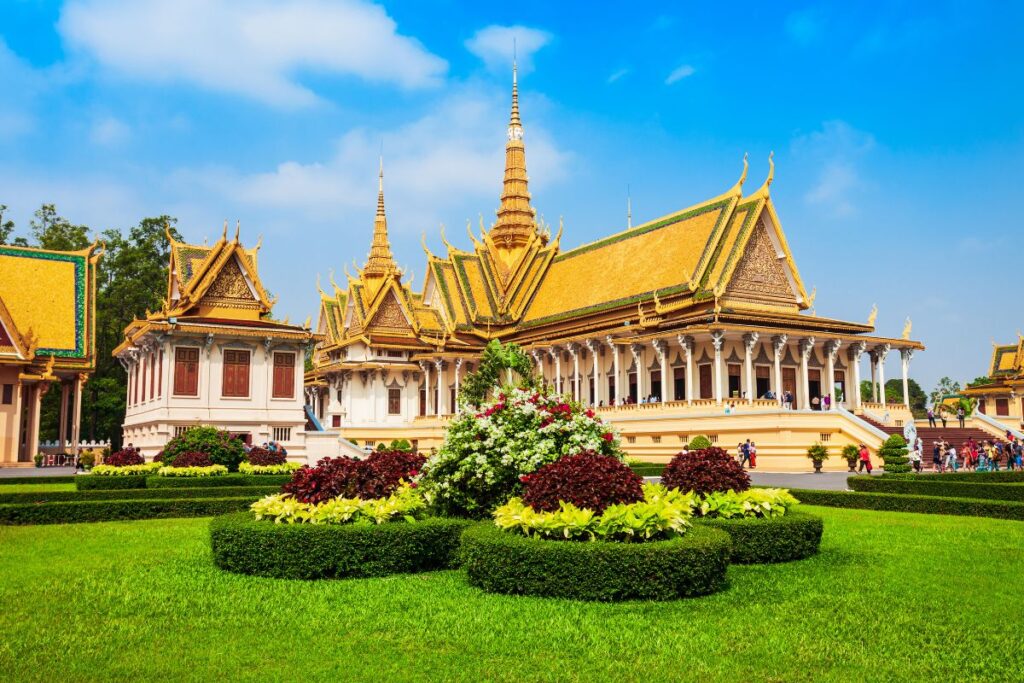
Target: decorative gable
{"x":390,"y":316}
{"x":230,"y":288}
{"x":762,"y":274}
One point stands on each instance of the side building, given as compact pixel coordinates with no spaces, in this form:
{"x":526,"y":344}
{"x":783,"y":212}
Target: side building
{"x":47,"y":343}
{"x":213,"y":355}
{"x":1002,"y":396}
{"x":693,"y":323}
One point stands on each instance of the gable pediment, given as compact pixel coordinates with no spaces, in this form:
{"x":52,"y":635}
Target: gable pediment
{"x":762,"y":274}
{"x":230,"y":287}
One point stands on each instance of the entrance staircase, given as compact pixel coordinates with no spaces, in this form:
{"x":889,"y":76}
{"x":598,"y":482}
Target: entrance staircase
{"x":929,"y":435}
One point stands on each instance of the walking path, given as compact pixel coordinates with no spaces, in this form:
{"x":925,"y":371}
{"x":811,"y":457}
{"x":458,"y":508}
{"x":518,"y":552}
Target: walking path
{"x":6,"y":472}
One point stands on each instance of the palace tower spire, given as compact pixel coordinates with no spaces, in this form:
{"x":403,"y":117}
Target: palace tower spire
{"x":516,"y":223}
{"x":380,"y":262}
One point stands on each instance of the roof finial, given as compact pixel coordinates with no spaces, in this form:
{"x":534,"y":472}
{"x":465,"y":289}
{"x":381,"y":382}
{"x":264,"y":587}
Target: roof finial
{"x":224,"y":235}
{"x":380,"y":261}
{"x":515,"y":124}
{"x":238,"y":229}
{"x":763,"y":190}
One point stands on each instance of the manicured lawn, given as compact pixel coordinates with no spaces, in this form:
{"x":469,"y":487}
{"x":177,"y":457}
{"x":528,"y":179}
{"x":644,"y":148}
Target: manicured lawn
{"x":35,"y":488}
{"x":892,"y":596}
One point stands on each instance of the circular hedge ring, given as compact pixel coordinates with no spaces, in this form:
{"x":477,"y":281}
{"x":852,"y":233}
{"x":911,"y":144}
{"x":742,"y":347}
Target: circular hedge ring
{"x":315,"y":551}
{"x":763,"y":540}
{"x":504,"y":562}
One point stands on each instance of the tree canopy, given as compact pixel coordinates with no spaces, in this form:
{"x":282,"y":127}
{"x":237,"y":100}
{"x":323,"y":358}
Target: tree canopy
{"x":499,"y":363}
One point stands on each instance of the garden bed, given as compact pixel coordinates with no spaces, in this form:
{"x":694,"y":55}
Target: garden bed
{"x":502,"y":562}
{"x":314,"y":551}
{"x":764,"y":540}
{"x":93,"y":482}
{"x":953,"y":488}
{"x":894,"y":502}
{"x":135,"y":494}
{"x":70,"y":512}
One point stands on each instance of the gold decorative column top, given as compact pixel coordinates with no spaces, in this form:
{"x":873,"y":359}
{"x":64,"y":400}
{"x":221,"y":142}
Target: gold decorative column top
{"x":516,"y":223}
{"x":380,"y":261}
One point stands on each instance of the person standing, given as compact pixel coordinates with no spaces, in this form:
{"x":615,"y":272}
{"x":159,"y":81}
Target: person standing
{"x":942,"y":416}
{"x":950,"y":457}
{"x":745,"y":453}
{"x":961,"y":416}
{"x":865,"y":460}
{"x":753,"y":455}
{"x":931,"y":418}
{"x":826,"y":402}
{"x":915,"y":457}
{"x":937,"y":457}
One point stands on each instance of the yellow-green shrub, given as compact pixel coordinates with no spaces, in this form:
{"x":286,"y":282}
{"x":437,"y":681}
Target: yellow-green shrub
{"x":209,"y":471}
{"x":405,"y":503}
{"x":127,"y":470}
{"x":284,"y":468}
{"x":749,"y":503}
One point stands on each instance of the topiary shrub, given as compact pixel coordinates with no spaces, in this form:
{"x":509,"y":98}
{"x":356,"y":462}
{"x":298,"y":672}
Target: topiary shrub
{"x":264,"y":456}
{"x":222,"y":448}
{"x":484,"y":454}
{"x":894,"y":455}
{"x":124,"y":458}
{"x":705,"y":471}
{"x":588,"y":481}
{"x":762,"y":540}
{"x":191,"y":459}
{"x":699,"y":443}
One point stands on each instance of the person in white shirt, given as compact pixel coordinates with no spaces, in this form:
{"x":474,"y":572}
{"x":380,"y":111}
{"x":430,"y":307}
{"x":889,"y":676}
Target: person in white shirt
{"x":951,"y":457}
{"x":915,"y":456}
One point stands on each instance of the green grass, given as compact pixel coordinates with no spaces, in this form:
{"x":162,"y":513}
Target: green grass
{"x":36,"y":488}
{"x":891,"y":596}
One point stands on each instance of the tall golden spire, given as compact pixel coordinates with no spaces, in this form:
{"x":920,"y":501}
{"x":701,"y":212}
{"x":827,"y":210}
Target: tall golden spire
{"x":516,"y":223}
{"x":380,"y":261}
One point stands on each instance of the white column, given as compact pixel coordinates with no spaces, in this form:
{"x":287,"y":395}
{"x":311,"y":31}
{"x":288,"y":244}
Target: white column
{"x":882,"y":351}
{"x":76,"y":417}
{"x":62,"y":431}
{"x":749,"y":343}
{"x":686,"y":342}
{"x":638,"y":361}
{"x":717,"y":340}
{"x":905,"y":356}
{"x":442,"y":390}
{"x":831,"y":351}
{"x":855,"y":353}
{"x":556,"y":353}
{"x":617,"y":369}
{"x":661,"y":348}
{"x":426,"y":386}
{"x":806,"y":348}
{"x":872,"y":357}
{"x":779,"y":346}
{"x":574,"y":349}
{"x":458,"y":371}
{"x":594,"y":346}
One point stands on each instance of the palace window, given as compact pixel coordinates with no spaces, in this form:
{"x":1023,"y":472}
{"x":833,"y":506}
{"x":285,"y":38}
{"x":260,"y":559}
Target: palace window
{"x":284,"y":375}
{"x":236,"y":374}
{"x":186,"y":371}
{"x":335,"y":420}
{"x":142,"y":374}
{"x":152,"y":376}
{"x":1002,"y":407}
{"x":282,"y":434}
{"x":179,"y":430}
{"x":394,"y":401}
{"x":8,"y":395}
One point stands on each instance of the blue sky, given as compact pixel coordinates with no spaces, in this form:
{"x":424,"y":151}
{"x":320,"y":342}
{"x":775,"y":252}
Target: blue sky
{"x":897,"y":129}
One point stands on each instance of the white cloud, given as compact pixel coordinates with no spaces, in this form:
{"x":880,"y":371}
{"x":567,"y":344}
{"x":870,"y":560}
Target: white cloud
{"x":434,"y":168}
{"x":494,"y":45}
{"x":257,"y":48}
{"x":617,"y":74}
{"x":679,"y":73}
{"x":109,"y":131}
{"x":837,"y":150}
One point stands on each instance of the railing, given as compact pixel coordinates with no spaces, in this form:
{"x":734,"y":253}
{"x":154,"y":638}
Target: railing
{"x":982,"y":417}
{"x":863,"y":424}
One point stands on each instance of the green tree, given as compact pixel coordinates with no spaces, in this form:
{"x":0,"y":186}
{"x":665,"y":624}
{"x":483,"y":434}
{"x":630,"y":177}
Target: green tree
{"x":945,"y":387}
{"x":50,"y":230}
{"x":6,"y":226}
{"x":918,"y":399}
{"x":980,"y":381}
{"x":498,"y":365}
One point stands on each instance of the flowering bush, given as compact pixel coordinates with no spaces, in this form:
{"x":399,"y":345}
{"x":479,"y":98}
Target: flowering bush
{"x":127,"y":470}
{"x":704,"y":471}
{"x":485,"y":453}
{"x":378,"y":476}
{"x":222,"y":448}
{"x":264,"y":456}
{"x":404,"y":503}
{"x":124,"y":458}
{"x":211,"y":471}
{"x":587,"y":481}
{"x":750,"y":503}
{"x":662,"y":514}
{"x":191,"y":459}
{"x":284,"y":468}
{"x":382,"y":472}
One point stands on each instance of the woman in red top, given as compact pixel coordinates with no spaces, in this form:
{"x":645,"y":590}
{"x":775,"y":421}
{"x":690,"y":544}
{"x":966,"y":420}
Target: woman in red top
{"x":865,"y":459}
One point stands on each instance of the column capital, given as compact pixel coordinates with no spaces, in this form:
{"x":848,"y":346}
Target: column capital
{"x":750,"y":340}
{"x":832,"y":348}
{"x":573,"y":348}
{"x":458,"y":363}
{"x":779,"y":344}
{"x":879,"y":352}
{"x":636,"y":350}
{"x":906,"y":354}
{"x":425,"y":365}
{"x":806,"y":347}
{"x":857,"y":349}
{"x":717,"y":339}
{"x":553,"y":351}
{"x":660,"y":346}
{"x":686,"y":341}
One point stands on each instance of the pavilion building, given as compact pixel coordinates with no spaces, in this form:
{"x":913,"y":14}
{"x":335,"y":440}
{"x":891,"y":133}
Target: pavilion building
{"x":1002,"y":397}
{"x":673,"y":328}
{"x":47,"y":342}
{"x":213,"y":355}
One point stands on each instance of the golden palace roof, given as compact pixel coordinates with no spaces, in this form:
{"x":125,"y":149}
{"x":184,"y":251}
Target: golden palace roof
{"x":47,"y":305}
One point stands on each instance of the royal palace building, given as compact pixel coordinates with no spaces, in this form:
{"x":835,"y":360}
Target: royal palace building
{"x":1002,"y":396}
{"x":213,"y":355}
{"x":694,"y":323}
{"x":47,"y":343}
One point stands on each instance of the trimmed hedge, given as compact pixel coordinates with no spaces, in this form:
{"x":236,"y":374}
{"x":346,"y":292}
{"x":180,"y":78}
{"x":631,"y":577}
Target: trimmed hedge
{"x":649,"y":469}
{"x":231,"y":479}
{"x":138,"y":494}
{"x":891,"y":502}
{"x":54,"y":479}
{"x":764,"y":540}
{"x":503,"y":562}
{"x":69,"y":512}
{"x":313,"y":551}
{"x":1002,"y":476}
{"x":944,"y":489}
{"x":94,"y":482}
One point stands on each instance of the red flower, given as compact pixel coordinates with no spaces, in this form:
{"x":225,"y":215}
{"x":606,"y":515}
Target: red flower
{"x":589,"y":413}
{"x":607,"y":436}
{"x":413,"y":485}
